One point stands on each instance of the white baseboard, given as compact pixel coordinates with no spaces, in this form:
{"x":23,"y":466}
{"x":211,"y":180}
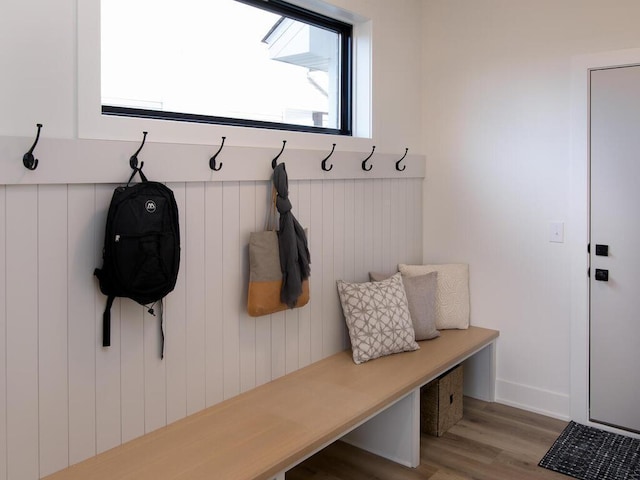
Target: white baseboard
{"x":525,"y":397}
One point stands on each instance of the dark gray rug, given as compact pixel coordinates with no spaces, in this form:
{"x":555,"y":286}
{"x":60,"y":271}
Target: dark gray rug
{"x":588,"y":453}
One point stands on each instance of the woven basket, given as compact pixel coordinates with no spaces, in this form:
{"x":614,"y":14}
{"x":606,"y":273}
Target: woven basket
{"x":441,"y":402}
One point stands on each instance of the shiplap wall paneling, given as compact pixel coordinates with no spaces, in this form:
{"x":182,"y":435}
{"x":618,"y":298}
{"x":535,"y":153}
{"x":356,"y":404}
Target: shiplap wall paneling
{"x":132,"y":369}
{"x":81,"y":254}
{"x":303,"y":214}
{"x":404,"y":240}
{"x":194,"y":265}
{"x":341,"y":250}
{"x":214,"y":253}
{"x":22,"y":331}
{"x":278,"y":354}
{"x":155,"y":372}
{"x":291,"y":340}
{"x":368,"y":229}
{"x":348,"y":261}
{"x":232,"y":285}
{"x":332,"y":313}
{"x":64,"y":397}
{"x":396,"y":215}
{"x":247,"y":324}
{"x":387,"y":253}
{"x":330,"y":335}
{"x":358,"y":231}
{"x":175,"y":321}
{"x":278,"y":344}
{"x":52,"y":328}
{"x":375,"y":187}
{"x":3,"y":335}
{"x":108,"y":413}
{"x":399,"y":237}
{"x":315,"y":282}
{"x":416,"y":233}
{"x":263,"y":323}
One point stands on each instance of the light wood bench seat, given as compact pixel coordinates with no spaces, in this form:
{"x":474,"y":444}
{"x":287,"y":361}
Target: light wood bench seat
{"x":264,"y":432}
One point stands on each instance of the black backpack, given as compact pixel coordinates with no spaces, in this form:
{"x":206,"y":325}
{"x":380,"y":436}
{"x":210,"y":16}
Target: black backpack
{"x":141,"y":252}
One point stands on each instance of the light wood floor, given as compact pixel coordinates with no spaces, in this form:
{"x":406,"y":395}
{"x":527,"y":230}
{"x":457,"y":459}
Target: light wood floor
{"x":491,"y":442}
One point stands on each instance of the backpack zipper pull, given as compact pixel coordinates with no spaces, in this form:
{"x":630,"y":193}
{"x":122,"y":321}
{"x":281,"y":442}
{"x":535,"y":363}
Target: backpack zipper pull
{"x":117,"y":238}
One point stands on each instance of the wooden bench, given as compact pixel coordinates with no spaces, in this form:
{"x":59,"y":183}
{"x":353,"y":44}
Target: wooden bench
{"x":268,"y":430}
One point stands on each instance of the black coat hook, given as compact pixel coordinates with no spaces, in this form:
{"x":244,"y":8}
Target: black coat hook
{"x":133,"y":161}
{"x":324,"y":162}
{"x":212,"y":160}
{"x":406,"y":150}
{"x":273,"y":162}
{"x":28,"y":159}
{"x":364,"y":162}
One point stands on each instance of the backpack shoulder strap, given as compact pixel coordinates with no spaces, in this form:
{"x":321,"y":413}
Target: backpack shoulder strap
{"x":106,"y":322}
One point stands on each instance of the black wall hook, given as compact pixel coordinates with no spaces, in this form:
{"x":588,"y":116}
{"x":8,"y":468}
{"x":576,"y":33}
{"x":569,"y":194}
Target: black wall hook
{"x":212,"y":160}
{"x":364,"y":162}
{"x":273,"y":162}
{"x":406,"y":150}
{"x":133,"y":160}
{"x":324,"y":162}
{"x":28,"y":159}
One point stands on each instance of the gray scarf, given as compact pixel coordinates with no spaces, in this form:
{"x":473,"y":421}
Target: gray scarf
{"x":294,"y":251}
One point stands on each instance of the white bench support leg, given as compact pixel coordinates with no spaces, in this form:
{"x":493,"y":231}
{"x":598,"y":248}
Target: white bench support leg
{"x":394,"y":433}
{"x":480,"y":374}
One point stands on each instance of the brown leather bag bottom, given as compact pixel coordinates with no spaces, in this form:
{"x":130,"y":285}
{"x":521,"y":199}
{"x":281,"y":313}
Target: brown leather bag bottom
{"x":264,"y":297}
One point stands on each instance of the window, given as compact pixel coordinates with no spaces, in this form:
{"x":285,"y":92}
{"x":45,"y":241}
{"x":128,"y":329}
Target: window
{"x":233,"y":62}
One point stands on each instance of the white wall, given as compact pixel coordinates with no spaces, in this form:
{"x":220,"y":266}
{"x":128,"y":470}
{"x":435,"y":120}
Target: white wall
{"x":497,"y":109}
{"x":62,"y":396}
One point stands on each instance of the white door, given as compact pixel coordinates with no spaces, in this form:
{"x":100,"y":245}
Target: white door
{"x":615,"y":248}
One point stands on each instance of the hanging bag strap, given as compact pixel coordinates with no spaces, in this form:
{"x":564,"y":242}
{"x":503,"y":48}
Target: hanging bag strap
{"x":106,"y":322}
{"x":271,"y":223}
{"x":161,"y":329}
{"x":143,"y":177}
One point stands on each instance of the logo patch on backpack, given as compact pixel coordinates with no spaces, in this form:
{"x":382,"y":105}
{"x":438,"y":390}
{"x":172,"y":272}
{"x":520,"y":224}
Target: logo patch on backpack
{"x":150,"y":206}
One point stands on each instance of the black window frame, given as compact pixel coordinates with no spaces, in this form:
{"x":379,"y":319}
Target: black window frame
{"x":345,"y":32}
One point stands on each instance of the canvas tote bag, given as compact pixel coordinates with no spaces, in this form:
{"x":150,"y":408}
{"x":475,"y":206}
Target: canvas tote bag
{"x":265,"y":274}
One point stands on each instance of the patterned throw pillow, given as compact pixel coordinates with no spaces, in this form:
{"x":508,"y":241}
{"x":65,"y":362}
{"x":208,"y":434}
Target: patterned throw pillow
{"x":452,"y":293}
{"x":378,"y":319}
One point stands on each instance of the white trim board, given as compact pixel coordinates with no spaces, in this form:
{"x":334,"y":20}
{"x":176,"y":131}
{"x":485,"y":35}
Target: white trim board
{"x":68,"y":161}
{"x":544,"y":402}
